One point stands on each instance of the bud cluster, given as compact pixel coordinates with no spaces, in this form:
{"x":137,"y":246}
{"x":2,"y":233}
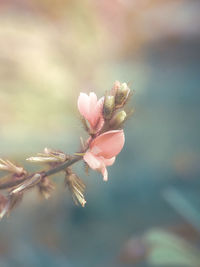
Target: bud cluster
{"x":114,"y":103}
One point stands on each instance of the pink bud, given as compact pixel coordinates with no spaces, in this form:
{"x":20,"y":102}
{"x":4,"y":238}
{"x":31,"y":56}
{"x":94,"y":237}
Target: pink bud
{"x":92,"y":110}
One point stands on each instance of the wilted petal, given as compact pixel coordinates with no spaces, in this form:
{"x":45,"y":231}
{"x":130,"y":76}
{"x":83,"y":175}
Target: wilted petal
{"x":108,"y":144}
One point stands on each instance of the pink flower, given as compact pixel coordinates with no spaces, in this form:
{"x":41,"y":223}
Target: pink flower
{"x":103,"y":150}
{"x":92,"y":110}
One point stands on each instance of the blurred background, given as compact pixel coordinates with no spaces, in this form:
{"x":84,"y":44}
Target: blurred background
{"x":148,"y":213}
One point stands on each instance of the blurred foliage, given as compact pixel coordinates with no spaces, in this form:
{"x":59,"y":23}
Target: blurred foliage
{"x":170,"y":250}
{"x":159,"y":247}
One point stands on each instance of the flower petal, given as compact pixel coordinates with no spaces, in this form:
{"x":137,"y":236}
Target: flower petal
{"x":83,"y":104}
{"x":109,"y":162}
{"x":92,"y":161}
{"x":99,"y":120}
{"x":97,"y":163}
{"x":108,"y":144}
{"x":91,"y":110}
{"x":99,"y":106}
{"x":93,"y":101}
{"x":96,"y":108}
{"x":104,"y":173}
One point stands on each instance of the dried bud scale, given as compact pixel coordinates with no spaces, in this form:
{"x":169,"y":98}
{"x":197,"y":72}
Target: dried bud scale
{"x":3,"y":206}
{"x":9,"y":203}
{"x":61,"y":156}
{"x":4,"y":210}
{"x":45,"y":187}
{"x":6,"y":165}
{"x":103,"y":120}
{"x":14,"y":200}
{"x":27,"y":184}
{"x":49,"y":156}
{"x":76,"y":187}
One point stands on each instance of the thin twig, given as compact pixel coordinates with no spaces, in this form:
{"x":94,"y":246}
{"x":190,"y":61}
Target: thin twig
{"x":52,"y":171}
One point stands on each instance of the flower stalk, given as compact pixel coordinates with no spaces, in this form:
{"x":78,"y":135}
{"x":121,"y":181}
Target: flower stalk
{"x":103,"y":121}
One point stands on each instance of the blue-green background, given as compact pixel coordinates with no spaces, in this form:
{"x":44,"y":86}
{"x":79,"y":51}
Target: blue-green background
{"x":48,"y":54}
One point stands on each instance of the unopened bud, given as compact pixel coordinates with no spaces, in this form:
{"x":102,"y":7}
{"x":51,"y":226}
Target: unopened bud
{"x":108,"y":107}
{"x":122,"y":94}
{"x":118,"y":119}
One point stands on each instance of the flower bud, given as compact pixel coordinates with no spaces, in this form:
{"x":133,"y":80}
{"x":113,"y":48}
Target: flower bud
{"x":118,"y":119}
{"x":108,"y":107}
{"x":122,"y":94}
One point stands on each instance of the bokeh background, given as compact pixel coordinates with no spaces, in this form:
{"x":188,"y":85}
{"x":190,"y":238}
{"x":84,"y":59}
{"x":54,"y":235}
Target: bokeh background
{"x":148,"y":213}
